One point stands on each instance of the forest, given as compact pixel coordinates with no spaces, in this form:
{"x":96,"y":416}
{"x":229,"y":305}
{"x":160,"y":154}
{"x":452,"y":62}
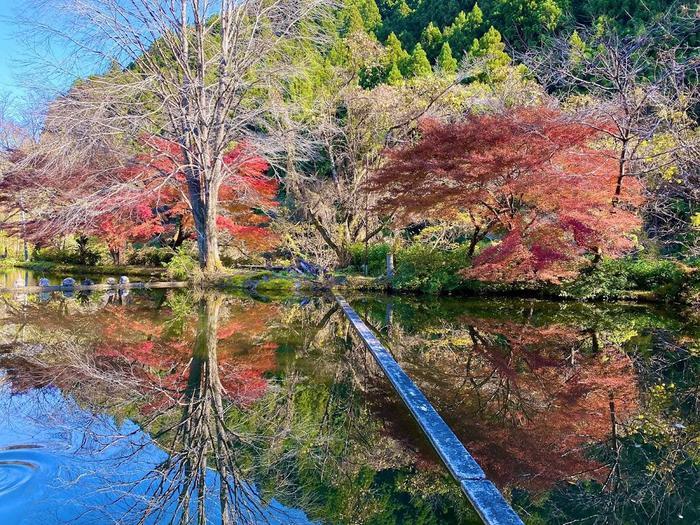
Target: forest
{"x":505,"y":146}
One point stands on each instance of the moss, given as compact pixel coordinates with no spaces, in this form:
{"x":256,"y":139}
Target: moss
{"x":265,"y":283}
{"x":277,"y":284}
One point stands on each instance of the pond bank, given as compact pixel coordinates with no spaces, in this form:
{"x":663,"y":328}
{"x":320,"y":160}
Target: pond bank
{"x":679,"y":288}
{"x":76,"y":269}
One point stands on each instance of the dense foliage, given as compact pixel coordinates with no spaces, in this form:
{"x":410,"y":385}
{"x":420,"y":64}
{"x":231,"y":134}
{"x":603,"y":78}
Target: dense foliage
{"x":506,"y":141}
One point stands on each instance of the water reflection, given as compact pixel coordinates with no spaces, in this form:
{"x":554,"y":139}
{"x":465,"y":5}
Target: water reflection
{"x":211,"y":409}
{"x":583,"y":413}
{"x":166,"y":407}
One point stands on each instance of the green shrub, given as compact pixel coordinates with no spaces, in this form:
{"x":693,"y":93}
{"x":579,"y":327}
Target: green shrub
{"x":376,"y":258}
{"x":151,"y":256}
{"x":182,"y":266}
{"x":422,"y":268}
{"x":56,"y":255}
{"x":612,"y":277}
{"x":92,"y":255}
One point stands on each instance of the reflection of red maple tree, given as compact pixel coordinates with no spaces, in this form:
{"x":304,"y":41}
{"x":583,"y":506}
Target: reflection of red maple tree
{"x":528,"y":401}
{"x":161,"y":365}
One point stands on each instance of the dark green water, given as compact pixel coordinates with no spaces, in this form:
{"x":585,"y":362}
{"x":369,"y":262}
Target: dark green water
{"x":174,"y":408}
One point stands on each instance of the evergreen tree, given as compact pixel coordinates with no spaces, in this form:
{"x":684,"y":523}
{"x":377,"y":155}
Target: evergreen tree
{"x":577,"y":47}
{"x":369,"y":11}
{"x":525,"y":21}
{"x":464,"y":28}
{"x":419,"y":65}
{"x":445,"y":61}
{"x":431,"y":39}
{"x":351,"y":19}
{"x":394,"y":78}
{"x":491,"y":48}
{"x":396,"y":54}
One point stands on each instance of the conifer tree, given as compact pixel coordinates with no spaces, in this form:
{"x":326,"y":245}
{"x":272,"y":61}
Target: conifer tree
{"x":491,"y":48}
{"x":394,"y":78}
{"x":464,"y":28}
{"x":431,"y":39}
{"x":419,"y":65}
{"x":445,"y":61}
{"x":396,"y":54}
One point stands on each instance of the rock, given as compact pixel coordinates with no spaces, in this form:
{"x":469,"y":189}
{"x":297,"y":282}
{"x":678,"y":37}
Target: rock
{"x":68,"y":282}
{"x":44,"y":282}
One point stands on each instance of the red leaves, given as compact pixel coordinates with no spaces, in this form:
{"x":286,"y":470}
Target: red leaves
{"x":246,"y":187}
{"x":532,"y":174}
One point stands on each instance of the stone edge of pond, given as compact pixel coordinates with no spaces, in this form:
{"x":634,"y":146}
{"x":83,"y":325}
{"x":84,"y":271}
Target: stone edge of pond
{"x":486,"y":499}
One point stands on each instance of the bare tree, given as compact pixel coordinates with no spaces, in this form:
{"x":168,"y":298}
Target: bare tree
{"x":350,"y":131}
{"x":195,"y":73}
{"x":645,"y":86}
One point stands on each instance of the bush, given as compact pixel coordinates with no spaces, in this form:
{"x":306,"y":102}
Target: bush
{"x":612,"y":277}
{"x":423,"y":268}
{"x":53,"y":254}
{"x":376,"y":258}
{"x":92,"y":255}
{"x":151,"y":256}
{"x":182,"y":266}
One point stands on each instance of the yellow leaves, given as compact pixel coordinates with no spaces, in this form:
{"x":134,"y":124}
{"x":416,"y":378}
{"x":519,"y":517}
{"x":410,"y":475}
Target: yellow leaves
{"x":695,"y":221}
{"x":669,"y":174}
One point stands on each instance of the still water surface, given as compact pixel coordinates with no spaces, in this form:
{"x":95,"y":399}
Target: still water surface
{"x":170,"y":407}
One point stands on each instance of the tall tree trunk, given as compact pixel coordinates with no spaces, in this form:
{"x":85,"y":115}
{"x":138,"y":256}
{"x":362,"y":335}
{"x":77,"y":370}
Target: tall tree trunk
{"x":204,"y":203}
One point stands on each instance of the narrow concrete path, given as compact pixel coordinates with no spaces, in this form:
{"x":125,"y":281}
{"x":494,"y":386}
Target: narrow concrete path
{"x":483,"y":495}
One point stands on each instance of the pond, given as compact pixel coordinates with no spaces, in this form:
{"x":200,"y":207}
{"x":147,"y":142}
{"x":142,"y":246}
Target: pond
{"x":16,"y":277}
{"x":176,"y":407}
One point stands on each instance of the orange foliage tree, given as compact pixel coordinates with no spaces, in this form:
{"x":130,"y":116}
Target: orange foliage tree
{"x":530,"y":179}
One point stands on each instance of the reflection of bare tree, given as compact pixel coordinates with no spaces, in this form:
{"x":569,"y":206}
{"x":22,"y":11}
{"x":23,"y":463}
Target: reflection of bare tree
{"x":201,"y":441}
{"x":187,"y":408}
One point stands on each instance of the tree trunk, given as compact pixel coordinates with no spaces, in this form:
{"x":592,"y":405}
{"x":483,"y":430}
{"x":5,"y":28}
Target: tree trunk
{"x":476,"y":237}
{"x":116,"y":256}
{"x":179,"y":237}
{"x":205,"y":210}
{"x":390,"y":265}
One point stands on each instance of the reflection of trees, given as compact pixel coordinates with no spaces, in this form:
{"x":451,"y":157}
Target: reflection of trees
{"x":245,"y":414}
{"x":592,"y":409}
{"x":203,"y":476}
{"x":200,"y":441}
{"x":526,"y":400}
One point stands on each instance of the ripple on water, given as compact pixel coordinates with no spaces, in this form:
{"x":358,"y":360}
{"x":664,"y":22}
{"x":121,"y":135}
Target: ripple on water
{"x":18,"y":465}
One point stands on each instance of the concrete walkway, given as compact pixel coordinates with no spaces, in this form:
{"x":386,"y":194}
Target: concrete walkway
{"x":483,"y":495}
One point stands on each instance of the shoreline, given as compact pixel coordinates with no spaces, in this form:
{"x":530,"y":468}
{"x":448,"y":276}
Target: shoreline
{"x":275,"y":282}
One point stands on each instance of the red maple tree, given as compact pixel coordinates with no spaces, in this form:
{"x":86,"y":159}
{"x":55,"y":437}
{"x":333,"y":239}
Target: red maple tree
{"x":244,"y":194}
{"x":135,"y":198}
{"x":529,"y":179}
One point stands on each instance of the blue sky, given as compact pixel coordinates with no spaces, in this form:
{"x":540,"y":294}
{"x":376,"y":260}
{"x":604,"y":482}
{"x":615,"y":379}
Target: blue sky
{"x":9,"y":48}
